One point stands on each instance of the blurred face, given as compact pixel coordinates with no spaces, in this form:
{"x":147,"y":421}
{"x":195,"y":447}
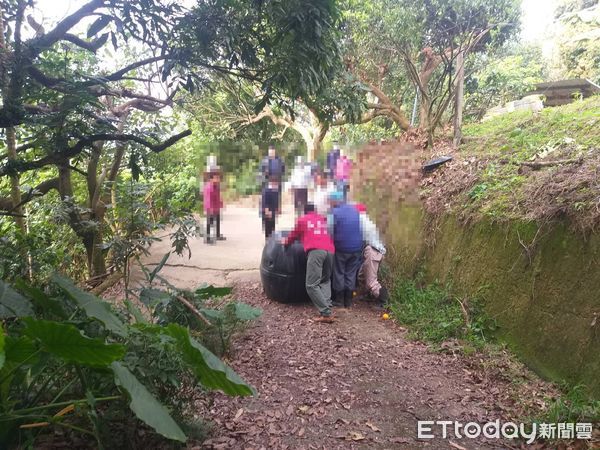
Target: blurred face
{"x":272,"y":153}
{"x":215,"y":178}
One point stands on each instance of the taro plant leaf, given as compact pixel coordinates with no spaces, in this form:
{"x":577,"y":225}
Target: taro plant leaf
{"x":213,"y":314}
{"x":209,"y":369}
{"x":41,"y":300}
{"x":19,"y":350}
{"x":66,"y":342}
{"x":145,"y":406}
{"x":207,"y":292}
{"x":159,"y":267}
{"x":92,"y":305}
{"x":13,"y":304}
{"x":243,"y":311}
{"x":153,"y":297}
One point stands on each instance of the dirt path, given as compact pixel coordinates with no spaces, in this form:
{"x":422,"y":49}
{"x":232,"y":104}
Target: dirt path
{"x":358,"y":383}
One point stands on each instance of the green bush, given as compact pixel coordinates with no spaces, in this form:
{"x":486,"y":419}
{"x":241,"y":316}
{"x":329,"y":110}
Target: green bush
{"x":70,"y":360}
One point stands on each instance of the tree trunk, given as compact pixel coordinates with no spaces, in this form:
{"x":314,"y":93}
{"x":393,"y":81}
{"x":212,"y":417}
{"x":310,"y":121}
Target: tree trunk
{"x":459,"y":99}
{"x":15,"y":185}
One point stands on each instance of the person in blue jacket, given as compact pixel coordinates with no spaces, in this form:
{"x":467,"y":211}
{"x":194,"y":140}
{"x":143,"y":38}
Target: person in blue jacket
{"x":347,"y":239}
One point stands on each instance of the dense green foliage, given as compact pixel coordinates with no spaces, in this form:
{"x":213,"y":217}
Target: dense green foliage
{"x":56,"y":373}
{"x":578,"y":38}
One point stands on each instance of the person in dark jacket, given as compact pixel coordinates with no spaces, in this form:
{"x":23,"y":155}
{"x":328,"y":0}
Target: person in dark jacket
{"x":332,"y":158}
{"x":347,"y":239}
{"x":269,"y":206}
{"x":272,"y":166}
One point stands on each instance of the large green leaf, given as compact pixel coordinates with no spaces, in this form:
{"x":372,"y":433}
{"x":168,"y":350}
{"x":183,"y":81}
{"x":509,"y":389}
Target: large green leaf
{"x":207,"y":292}
{"x":243,"y":311}
{"x":67,"y":342}
{"x":145,"y":406}
{"x":92,"y":305}
{"x":209,"y":369}
{"x":18,"y":350}
{"x":13,"y":304}
{"x":41,"y":300}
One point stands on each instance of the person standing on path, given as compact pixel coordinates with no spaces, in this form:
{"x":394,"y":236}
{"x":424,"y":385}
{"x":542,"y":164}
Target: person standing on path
{"x":311,"y":230}
{"x":343,"y":168}
{"x":332,"y":158}
{"x":269,"y":206}
{"x":272,"y":166}
{"x":347,"y":239}
{"x":321,"y":193}
{"x":213,"y":204}
{"x":299,"y":181}
{"x":373,"y":254}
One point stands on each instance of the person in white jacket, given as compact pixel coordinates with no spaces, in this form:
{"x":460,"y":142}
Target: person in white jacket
{"x":373,"y":254}
{"x":320,"y":195}
{"x":300,"y":180}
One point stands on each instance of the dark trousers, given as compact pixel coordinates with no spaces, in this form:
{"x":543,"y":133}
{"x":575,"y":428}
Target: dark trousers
{"x":345,"y":269}
{"x":210,"y":221}
{"x":318,"y":279}
{"x":269,"y":226}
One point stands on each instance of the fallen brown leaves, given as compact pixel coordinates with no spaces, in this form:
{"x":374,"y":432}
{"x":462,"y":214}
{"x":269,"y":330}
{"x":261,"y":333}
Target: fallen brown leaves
{"x":355,"y":384}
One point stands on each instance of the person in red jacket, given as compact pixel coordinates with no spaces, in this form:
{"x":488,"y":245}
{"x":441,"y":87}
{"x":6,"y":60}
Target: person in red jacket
{"x":311,"y":230}
{"x":212,"y":205}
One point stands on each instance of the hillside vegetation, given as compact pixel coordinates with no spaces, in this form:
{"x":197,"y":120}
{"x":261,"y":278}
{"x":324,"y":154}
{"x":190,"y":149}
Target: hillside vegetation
{"x":523,"y":165}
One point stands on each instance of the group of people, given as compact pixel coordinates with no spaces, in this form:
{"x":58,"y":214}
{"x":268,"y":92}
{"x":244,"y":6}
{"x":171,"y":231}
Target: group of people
{"x":342,"y":243}
{"x":305,"y":178}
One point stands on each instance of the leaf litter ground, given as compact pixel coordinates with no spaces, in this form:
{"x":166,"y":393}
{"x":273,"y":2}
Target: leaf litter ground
{"x":359,"y":383}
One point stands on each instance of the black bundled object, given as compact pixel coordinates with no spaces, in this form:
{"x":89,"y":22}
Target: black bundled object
{"x":435,"y":163}
{"x":283,"y":270}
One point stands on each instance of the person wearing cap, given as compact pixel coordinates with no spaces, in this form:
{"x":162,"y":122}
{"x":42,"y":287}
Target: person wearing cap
{"x":347,"y":239}
{"x":373,"y":254}
{"x":311,"y":230}
{"x":332,"y":158}
{"x":212,"y":204}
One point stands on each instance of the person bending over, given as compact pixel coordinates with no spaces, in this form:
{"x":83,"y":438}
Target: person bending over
{"x":348,"y":242}
{"x":311,"y":230}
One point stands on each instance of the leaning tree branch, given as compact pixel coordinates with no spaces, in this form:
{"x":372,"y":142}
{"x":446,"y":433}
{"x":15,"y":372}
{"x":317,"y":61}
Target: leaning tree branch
{"x":91,"y":46}
{"x":39,"y":44}
{"x":86,"y":141}
{"x":41,"y":189}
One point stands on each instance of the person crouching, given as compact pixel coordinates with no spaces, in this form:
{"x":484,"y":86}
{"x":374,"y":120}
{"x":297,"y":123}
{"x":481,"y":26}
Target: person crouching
{"x":373,"y":255}
{"x":311,"y":230}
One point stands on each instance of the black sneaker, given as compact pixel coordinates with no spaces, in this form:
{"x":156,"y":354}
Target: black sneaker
{"x":209,"y":241}
{"x":221,"y":238}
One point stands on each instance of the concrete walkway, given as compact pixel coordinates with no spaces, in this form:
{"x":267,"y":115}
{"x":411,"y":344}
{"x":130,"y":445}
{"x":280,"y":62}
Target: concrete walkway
{"x":223,"y":264}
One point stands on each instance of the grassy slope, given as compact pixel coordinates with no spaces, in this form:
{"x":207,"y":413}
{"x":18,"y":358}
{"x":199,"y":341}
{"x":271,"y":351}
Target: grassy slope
{"x":488,"y":178}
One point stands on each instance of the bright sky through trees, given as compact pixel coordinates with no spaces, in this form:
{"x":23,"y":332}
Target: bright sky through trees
{"x":537,"y":14}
